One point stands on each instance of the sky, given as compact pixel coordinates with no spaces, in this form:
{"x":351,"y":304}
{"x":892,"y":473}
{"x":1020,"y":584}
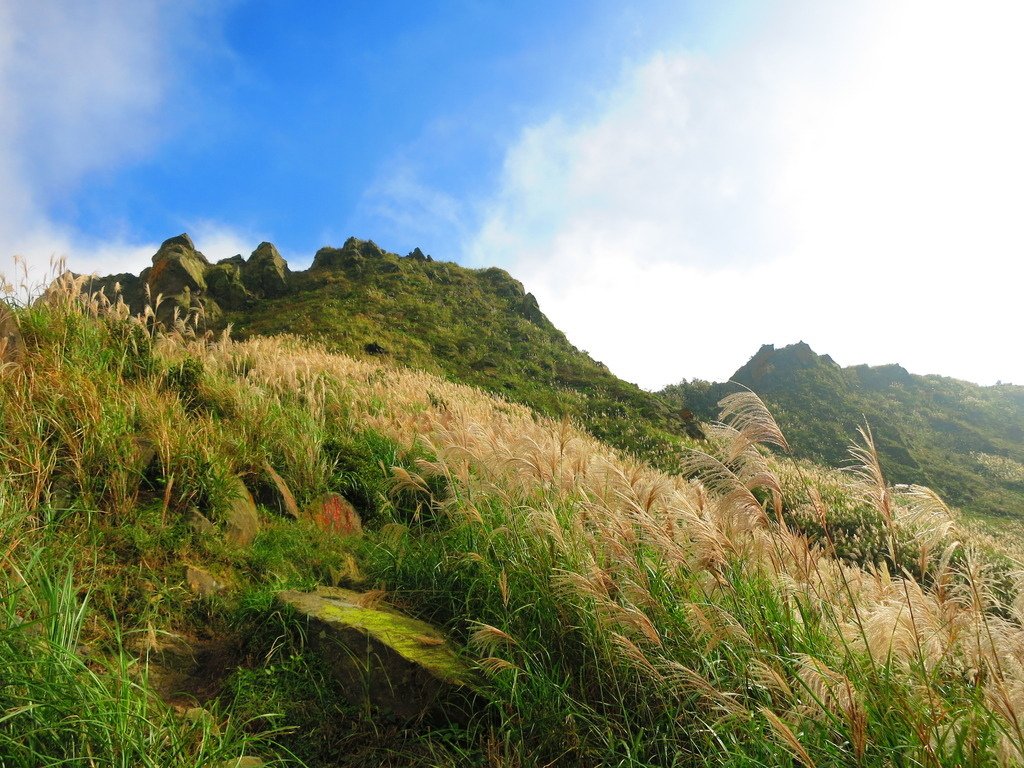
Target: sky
{"x":677,"y":182}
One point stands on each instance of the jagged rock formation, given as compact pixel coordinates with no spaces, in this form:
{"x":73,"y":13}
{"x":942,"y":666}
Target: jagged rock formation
{"x":181,"y":278}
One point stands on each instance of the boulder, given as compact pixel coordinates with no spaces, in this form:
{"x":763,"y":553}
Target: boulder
{"x":334,"y":513}
{"x":177,"y":265}
{"x":381,"y":656}
{"x":178,"y":276}
{"x":266,"y":272}
{"x":241,"y":520}
{"x":201,"y":581}
{"x":12,"y":346}
{"x":224,"y":282}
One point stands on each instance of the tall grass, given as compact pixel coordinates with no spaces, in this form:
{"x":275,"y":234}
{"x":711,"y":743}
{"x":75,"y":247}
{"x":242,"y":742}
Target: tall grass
{"x":745,"y":611}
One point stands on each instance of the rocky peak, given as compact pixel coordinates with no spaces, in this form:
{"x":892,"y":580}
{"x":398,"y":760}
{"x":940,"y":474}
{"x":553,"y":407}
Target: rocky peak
{"x":266,"y":272}
{"x":178,"y":275}
{"x":770,"y":362}
{"x":353,"y":256}
{"x":417,"y":255}
{"x":183,"y":240}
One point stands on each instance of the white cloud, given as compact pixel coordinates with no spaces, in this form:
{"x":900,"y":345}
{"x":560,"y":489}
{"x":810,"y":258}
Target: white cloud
{"x":847,"y":176}
{"x":415,"y":212}
{"x":83,"y":89}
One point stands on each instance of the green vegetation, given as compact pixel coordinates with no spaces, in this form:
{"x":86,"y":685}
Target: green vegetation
{"x":747,"y":611}
{"x":965,"y":441}
{"x":477,"y":327}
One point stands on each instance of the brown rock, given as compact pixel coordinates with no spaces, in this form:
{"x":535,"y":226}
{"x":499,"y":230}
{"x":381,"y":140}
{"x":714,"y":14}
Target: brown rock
{"x":285,"y":499}
{"x":241,"y":520}
{"x":200,"y":523}
{"x":202,"y":581}
{"x":333,"y":513}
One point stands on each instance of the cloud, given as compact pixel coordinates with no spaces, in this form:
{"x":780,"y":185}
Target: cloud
{"x":84,"y":89}
{"x":412,"y":210}
{"x":849,"y":176}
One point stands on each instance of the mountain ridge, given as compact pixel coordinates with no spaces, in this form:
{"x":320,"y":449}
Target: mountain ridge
{"x":932,"y":429}
{"x":478,"y":326}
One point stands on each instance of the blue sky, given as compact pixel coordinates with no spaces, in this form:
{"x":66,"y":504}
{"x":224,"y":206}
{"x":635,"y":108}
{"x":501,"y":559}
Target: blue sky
{"x":309,"y":123}
{"x":677,"y":182}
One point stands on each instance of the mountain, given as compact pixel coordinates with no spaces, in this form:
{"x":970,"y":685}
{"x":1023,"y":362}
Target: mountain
{"x":964,"y":440}
{"x":476,"y":326}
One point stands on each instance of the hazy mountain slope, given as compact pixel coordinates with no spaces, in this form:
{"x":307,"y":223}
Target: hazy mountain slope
{"x":964,"y":440}
{"x":475,"y":326}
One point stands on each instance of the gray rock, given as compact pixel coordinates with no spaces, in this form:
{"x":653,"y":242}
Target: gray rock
{"x":178,"y":276}
{"x":241,"y":520}
{"x":224,"y":282}
{"x":266,"y":272}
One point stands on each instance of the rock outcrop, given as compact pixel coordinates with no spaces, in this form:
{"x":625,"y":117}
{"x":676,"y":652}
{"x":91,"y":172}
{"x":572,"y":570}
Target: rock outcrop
{"x":265,"y":274}
{"x":241,"y":520}
{"x":396,"y":663}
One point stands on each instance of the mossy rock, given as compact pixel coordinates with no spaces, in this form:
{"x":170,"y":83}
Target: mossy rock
{"x":224,"y":281}
{"x":265,"y":274}
{"x":381,"y":656}
{"x":177,"y":266}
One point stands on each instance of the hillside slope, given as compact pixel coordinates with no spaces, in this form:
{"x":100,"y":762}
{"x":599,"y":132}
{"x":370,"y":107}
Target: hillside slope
{"x":478,"y":327}
{"x":964,"y":440}
{"x":612,"y":614}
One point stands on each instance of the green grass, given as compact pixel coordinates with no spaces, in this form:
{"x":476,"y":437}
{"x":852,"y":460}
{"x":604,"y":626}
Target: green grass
{"x":617,"y":616}
{"x":964,"y":440}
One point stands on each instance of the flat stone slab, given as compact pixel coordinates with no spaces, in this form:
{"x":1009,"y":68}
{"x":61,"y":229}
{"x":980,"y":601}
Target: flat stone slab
{"x":393,"y":661}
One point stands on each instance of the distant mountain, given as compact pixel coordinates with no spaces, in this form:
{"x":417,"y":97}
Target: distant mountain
{"x":964,"y":440}
{"x":477,"y":326}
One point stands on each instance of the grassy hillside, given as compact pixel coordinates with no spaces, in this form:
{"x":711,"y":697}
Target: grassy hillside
{"x":478,"y":327}
{"x":615,"y":615}
{"x":964,"y":440}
